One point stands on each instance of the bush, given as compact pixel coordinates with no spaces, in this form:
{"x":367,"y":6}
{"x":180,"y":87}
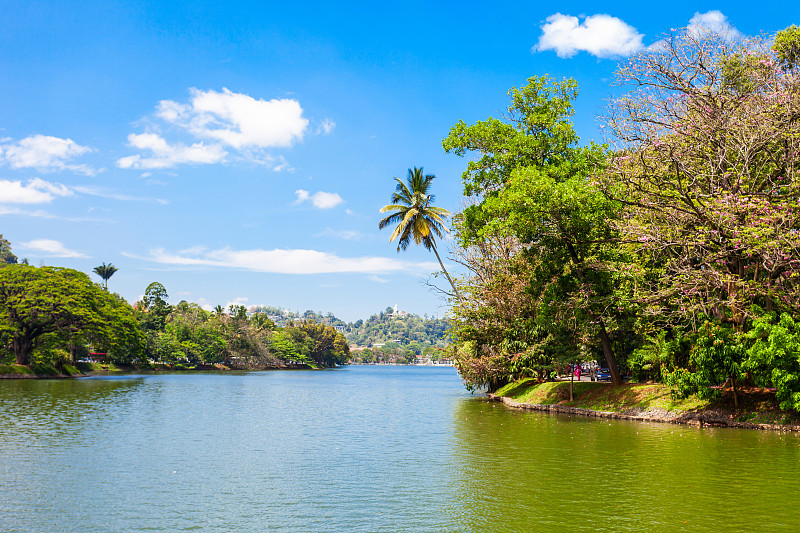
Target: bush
{"x":774,"y":357}
{"x":659,"y":357}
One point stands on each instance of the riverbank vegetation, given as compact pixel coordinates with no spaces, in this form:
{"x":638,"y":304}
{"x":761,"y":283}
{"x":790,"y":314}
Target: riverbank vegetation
{"x":655,"y":401}
{"x":388,"y":326}
{"x":52,"y":317}
{"x":670,"y":254}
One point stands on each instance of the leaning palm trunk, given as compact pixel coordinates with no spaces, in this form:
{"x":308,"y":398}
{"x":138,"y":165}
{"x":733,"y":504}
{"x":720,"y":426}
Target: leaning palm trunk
{"x":452,"y":284}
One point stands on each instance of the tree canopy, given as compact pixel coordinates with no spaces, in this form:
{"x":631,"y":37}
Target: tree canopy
{"x":59,"y":301}
{"x":673,"y":251}
{"x":532,"y":186}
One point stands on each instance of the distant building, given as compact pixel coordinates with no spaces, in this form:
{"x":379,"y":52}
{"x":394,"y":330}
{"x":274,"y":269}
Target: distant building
{"x":397,"y":313}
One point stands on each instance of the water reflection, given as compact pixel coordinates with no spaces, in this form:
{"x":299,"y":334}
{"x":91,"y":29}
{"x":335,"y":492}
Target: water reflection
{"x":364,"y":449}
{"x":51,"y":410}
{"x":524,"y":470}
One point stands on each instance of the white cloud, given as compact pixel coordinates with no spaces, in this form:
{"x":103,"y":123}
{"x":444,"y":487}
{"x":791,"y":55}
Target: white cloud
{"x":280,"y":261}
{"x":50,"y":248}
{"x":377,"y":279}
{"x":599,"y":35}
{"x":239,"y":300}
{"x":35,"y":191}
{"x":39,"y":213}
{"x":349,"y":235}
{"x":238,"y":120}
{"x":44,"y":153}
{"x":165,"y":155}
{"x":713,"y":22}
{"x":326,"y":127}
{"x":102,"y":193}
{"x":221,"y":121}
{"x":205,"y":304}
{"x":320,"y":199}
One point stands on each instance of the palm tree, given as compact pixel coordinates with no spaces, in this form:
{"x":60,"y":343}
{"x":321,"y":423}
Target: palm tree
{"x":105,"y":271}
{"x":417,"y":220}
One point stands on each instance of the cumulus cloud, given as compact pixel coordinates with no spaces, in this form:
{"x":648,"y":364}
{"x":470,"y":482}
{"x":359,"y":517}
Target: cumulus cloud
{"x":165,"y":155}
{"x":44,"y":153}
{"x":712,"y":22}
{"x":599,"y":35}
{"x":50,"y":248}
{"x":237,"y":120}
{"x":221,"y":121}
{"x":320,"y":199}
{"x":35,"y":191}
{"x":281,"y":261}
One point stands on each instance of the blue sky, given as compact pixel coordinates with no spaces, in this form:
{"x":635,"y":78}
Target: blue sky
{"x":240,"y":151}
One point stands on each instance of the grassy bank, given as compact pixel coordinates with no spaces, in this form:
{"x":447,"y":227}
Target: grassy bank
{"x":37,"y":371}
{"x":654,"y":401}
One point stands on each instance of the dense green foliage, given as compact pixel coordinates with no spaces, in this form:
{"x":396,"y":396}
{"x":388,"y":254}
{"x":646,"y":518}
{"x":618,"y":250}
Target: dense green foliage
{"x":402,"y":328}
{"x":50,"y":306}
{"x":188,"y":335}
{"x":6,"y":255}
{"x":54,"y":316}
{"x":675,"y":253}
{"x":536,"y":214}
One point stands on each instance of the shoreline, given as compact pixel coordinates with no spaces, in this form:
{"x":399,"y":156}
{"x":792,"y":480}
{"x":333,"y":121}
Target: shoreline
{"x":26,"y":372}
{"x":697,"y":418}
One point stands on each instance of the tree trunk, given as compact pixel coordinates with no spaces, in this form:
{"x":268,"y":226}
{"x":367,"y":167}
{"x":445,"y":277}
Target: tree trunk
{"x":458,"y":295}
{"x":23,"y":346}
{"x":608,"y":352}
{"x":571,"y":380}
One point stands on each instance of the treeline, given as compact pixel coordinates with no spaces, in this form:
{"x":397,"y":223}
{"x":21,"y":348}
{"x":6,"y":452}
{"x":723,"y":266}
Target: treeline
{"x":54,"y":316}
{"x":393,"y":353}
{"x":409,"y":330}
{"x":672,"y":253}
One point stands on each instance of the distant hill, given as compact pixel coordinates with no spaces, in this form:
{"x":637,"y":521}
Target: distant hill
{"x":400,"y":328}
{"x":389,"y":326}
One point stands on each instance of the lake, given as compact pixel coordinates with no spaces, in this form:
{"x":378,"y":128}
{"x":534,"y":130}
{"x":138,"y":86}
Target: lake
{"x":366,"y":448}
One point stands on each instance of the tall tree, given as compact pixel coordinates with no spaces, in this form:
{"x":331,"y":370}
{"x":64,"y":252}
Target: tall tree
{"x":105,"y":271}
{"x":708,"y":168}
{"x":533,"y":182}
{"x":50,"y":300}
{"x":6,"y":256}
{"x":416,"y":218}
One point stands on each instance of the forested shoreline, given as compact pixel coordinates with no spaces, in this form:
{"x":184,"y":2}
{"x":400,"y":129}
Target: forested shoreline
{"x":671,"y":253}
{"x":52,"y":317}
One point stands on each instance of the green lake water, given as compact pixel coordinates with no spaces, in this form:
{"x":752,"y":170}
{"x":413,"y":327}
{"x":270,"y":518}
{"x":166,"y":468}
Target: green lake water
{"x":366,"y":449}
